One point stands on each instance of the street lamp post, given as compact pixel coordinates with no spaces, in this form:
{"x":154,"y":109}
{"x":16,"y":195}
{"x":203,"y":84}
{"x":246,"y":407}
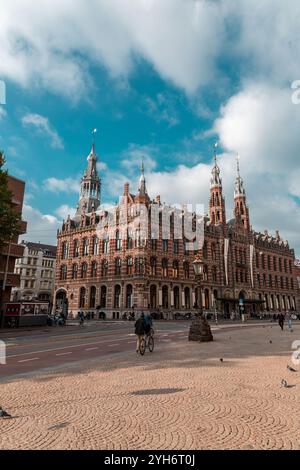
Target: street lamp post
{"x":200,"y":329}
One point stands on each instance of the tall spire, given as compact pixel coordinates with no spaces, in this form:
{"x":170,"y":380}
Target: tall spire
{"x":239,"y":189}
{"x":215,"y":180}
{"x":90,"y":188}
{"x":142,"y":195}
{"x":217,"y":202}
{"x":241,"y":210}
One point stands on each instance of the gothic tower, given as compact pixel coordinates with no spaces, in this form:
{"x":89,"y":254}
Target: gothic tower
{"x":90,"y":188}
{"x":217,"y":201}
{"x":142,"y":194}
{"x":241,"y":210}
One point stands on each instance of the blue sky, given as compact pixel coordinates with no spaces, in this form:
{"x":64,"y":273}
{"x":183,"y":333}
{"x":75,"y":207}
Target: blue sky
{"x":161,"y":80}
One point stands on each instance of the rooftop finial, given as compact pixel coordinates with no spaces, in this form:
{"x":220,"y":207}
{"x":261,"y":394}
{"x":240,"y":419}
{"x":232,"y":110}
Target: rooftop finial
{"x":238,"y":163}
{"x":215,"y":152}
{"x":143,"y":167}
{"x":94,"y":139}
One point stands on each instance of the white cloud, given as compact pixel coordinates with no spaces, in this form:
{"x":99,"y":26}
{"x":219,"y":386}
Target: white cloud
{"x":161,"y":109}
{"x":46,"y":46}
{"x":262,"y":124}
{"x":43,"y":127}
{"x":40,"y":227}
{"x":2,"y":113}
{"x":64,"y":211}
{"x":53,"y":46}
{"x":66,"y":185}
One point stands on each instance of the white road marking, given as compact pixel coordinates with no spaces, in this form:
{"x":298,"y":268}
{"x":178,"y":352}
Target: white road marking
{"x":27,"y":360}
{"x":115,"y":344}
{"x":63,"y":354}
{"x":91,"y":349}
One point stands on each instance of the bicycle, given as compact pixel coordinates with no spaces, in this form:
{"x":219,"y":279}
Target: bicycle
{"x":147,"y":342}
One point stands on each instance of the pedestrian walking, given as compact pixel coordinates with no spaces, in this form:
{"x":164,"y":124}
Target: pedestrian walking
{"x":281,"y":320}
{"x":81,"y":318}
{"x":288,"y":317}
{"x":139,"y":331}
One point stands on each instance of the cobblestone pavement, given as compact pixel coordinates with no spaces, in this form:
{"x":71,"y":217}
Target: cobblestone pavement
{"x":181,"y":397}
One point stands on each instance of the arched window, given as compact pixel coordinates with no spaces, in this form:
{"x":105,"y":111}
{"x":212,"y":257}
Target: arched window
{"x":176,"y":297}
{"x":186,"y":269}
{"x":118,"y":266}
{"x":206,"y":299}
{"x":106,"y":246}
{"x":129,"y":296}
{"x":94,"y":269}
{"x":93,"y":297}
{"x":104,"y":268}
{"x":84,"y":269}
{"x":130,"y":265}
{"x":205,"y":272}
{"x":153,"y":266}
{"x":175,"y":269}
{"x":117,"y":296}
{"x":65,"y":250}
{"x":63,"y":272}
{"x":85,"y":247}
{"x":103,"y":294}
{"x":139,"y":265}
{"x":165,"y":267}
{"x":153,"y":296}
{"x":165,"y":297}
{"x":95,"y":243}
{"x":187,"y":298}
{"x":82,"y":295}
{"x":74,"y":271}
{"x":118,"y":241}
{"x":76,"y":249}
{"x":129,"y":240}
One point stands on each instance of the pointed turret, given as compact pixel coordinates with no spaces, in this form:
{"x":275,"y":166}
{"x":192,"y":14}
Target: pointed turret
{"x":241,"y":210}
{"x":142,"y":195}
{"x":217,"y":201}
{"x":90,"y":189}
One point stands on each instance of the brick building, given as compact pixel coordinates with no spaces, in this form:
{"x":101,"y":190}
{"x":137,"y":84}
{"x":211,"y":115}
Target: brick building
{"x":12,"y":251}
{"x":121,"y":271}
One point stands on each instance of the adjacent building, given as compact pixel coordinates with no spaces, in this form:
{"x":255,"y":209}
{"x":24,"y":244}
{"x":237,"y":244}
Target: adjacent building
{"x":10,"y":252}
{"x":124,"y":271}
{"x":37,"y":272}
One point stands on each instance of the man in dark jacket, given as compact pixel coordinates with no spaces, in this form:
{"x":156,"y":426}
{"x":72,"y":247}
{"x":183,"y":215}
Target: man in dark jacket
{"x":281,"y":320}
{"x":139,"y":331}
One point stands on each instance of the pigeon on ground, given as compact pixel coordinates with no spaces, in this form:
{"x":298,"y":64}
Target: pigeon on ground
{"x":221,"y":360}
{"x":4,"y":414}
{"x":291,"y":368}
{"x":284,"y":383}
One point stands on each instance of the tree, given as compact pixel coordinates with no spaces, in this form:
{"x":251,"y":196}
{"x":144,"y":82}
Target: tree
{"x":9,"y":218}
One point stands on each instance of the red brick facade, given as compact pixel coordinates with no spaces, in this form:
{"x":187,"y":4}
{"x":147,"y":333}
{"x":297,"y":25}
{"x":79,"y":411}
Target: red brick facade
{"x":17,"y":188}
{"x":241,"y":266}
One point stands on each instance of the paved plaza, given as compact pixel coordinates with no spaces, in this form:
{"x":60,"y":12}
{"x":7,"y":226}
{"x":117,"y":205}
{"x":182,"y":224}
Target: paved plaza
{"x":181,"y":397}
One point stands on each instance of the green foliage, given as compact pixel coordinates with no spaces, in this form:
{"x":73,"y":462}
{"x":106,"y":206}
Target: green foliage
{"x":9,"y":218}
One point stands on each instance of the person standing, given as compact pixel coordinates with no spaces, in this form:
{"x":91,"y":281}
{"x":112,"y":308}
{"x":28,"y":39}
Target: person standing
{"x":139,"y":331}
{"x":281,"y":320}
{"x":81,"y":318}
{"x":288,"y":317}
